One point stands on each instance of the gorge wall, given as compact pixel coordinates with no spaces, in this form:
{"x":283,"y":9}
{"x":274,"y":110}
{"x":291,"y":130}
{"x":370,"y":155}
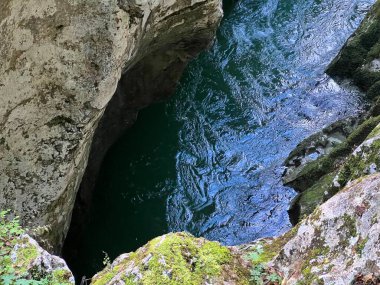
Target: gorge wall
{"x":75,"y":74}
{"x":61,"y":63}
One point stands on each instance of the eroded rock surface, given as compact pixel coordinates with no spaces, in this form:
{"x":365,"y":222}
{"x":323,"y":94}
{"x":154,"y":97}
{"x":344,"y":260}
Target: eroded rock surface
{"x":339,"y":241}
{"x":61,"y":62}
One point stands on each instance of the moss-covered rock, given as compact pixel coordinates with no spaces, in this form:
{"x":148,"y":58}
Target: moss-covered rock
{"x":176,"y":258}
{"x":308,"y":174}
{"x":23,"y":260}
{"x":355,"y":58}
{"x":319,"y":144}
{"x":363,"y":161}
{"x":306,"y":202}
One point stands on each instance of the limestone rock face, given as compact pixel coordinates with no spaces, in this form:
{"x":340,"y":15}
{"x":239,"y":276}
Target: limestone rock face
{"x":339,"y":242}
{"x":60,"y":64}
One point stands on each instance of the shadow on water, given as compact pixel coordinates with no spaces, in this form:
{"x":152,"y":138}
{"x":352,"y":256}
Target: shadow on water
{"x":131,"y":192}
{"x":210,"y":161}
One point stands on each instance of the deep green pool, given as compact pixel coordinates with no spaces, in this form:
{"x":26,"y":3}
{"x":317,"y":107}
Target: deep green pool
{"x":210,"y":160}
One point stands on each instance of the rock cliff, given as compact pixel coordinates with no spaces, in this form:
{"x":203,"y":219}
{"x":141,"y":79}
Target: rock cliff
{"x":74,"y":74}
{"x":61,"y":64}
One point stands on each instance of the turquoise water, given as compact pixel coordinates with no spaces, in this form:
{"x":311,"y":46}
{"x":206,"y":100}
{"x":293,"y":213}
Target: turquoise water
{"x":210,"y":160}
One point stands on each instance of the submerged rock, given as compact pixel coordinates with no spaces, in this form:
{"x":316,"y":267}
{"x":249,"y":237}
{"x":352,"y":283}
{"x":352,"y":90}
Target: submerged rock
{"x":61,"y":62}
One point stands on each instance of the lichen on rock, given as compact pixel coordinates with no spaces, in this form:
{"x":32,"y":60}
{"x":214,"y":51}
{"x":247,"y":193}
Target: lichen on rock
{"x":363,"y":161}
{"x":338,"y":242}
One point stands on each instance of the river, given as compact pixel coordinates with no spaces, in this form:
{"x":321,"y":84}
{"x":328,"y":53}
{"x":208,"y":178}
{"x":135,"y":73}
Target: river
{"x":209,"y":161}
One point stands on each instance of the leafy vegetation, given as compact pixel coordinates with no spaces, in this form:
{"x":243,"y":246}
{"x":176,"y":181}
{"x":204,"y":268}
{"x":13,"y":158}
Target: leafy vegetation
{"x":260,"y":273}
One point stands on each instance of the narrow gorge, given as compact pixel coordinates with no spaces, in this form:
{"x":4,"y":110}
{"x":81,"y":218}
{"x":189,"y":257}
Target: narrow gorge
{"x":261,"y":169}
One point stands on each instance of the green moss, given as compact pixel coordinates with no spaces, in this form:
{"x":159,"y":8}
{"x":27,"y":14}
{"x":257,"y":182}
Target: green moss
{"x":25,"y":255}
{"x":316,"y":195}
{"x":129,"y":281}
{"x":374,"y":91}
{"x":105,"y":278}
{"x":61,"y":276}
{"x":364,"y":78}
{"x":173,"y":259}
{"x":349,"y":223}
{"x":362,"y":47}
{"x":186,"y":261}
{"x":309,"y":278}
{"x":350,"y":58}
{"x":362,"y":131}
{"x":374,"y":53}
{"x":361,"y":244}
{"x":358,"y":164}
{"x":314,"y":170}
{"x":374,"y":133}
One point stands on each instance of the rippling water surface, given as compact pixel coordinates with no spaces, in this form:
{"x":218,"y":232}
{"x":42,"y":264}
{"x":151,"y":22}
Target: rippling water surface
{"x":210,"y":161}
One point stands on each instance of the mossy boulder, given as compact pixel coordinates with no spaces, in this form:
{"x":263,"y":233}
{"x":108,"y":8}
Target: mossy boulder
{"x":363,"y":161}
{"x":176,"y":258}
{"x":23,"y":261}
{"x":322,"y":178}
{"x":359,"y":58}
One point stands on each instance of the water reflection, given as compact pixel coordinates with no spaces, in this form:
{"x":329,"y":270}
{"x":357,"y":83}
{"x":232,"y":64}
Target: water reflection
{"x":243,"y":107}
